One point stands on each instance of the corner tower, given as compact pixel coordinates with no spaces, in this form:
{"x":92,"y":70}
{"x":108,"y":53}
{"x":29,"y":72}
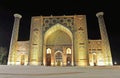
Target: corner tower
{"x":105,"y":41}
{"x":14,"y":38}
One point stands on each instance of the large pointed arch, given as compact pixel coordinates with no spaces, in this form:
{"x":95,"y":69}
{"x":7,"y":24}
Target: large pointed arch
{"x":55,"y":28}
{"x":50,"y":32}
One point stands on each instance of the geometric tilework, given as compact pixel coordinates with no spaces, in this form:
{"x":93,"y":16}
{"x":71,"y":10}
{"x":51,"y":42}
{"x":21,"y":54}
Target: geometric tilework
{"x":65,"y":21}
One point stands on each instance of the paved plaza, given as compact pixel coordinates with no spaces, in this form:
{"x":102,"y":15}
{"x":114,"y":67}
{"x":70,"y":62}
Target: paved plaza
{"x":59,"y":72}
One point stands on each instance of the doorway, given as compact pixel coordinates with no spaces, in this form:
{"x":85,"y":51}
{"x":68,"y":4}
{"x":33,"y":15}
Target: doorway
{"x":58,"y":58}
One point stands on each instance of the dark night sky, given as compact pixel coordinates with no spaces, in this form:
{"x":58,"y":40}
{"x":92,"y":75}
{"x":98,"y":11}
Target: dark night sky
{"x":29,"y":8}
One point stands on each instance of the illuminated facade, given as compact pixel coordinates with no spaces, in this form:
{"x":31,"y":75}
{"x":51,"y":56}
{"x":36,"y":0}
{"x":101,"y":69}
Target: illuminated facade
{"x":60,"y":41}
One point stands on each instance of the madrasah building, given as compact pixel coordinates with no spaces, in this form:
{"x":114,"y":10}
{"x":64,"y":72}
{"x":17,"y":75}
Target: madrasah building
{"x":60,"y":41}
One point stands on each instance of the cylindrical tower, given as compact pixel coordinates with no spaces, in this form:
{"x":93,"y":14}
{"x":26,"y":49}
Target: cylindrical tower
{"x":14,"y":38}
{"x":105,"y":41}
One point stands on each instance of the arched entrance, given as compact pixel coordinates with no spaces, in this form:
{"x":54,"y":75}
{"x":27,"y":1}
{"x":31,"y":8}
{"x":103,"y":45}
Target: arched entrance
{"x":58,"y":38}
{"x":94,"y":59}
{"x":58,"y":58}
{"x":22,"y":59}
{"x":48,"y":57}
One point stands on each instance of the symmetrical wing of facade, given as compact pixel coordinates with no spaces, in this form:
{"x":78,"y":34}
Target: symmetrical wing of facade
{"x":60,"y":41}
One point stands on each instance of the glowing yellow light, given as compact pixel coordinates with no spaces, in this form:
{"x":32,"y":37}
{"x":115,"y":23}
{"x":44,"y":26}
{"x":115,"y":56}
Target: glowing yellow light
{"x":34,"y":63}
{"x":68,"y":51}
{"x":48,"y":51}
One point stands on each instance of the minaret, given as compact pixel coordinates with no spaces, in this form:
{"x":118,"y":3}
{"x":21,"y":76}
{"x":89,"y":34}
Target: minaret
{"x":105,"y":41}
{"x":14,"y":38}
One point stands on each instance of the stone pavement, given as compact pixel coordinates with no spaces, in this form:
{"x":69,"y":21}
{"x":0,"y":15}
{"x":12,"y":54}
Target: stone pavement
{"x":59,"y":72}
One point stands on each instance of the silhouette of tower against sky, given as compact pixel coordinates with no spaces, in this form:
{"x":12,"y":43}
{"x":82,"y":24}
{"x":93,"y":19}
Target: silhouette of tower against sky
{"x":14,"y":39}
{"x":105,"y":41}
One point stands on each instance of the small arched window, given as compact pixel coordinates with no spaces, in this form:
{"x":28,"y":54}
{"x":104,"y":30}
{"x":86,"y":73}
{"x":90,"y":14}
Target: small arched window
{"x":68,"y":51}
{"x":48,"y":51}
